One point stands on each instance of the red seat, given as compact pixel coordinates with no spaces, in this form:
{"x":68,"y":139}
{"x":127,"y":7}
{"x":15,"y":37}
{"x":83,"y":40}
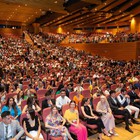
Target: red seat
{"x":86,"y":85}
{"x":86,"y":93}
{"x":64,"y":108}
{"x":24,"y":87}
{"x":40,"y":99}
{"x":41,"y":92}
{"x":95,"y":102}
{"x":10,"y":95}
{"x":26,"y":82}
{"x":118,"y":116}
{"x":72,"y":94}
{"x":23,"y":103}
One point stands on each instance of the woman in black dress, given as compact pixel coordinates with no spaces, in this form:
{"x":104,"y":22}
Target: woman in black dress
{"x":32,"y":126}
{"x":91,"y":118}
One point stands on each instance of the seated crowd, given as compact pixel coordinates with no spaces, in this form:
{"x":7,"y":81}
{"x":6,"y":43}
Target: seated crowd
{"x":64,"y":90}
{"x":106,"y":37}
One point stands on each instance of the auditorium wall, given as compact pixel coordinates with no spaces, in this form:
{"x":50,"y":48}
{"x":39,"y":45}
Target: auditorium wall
{"x":116,"y":51}
{"x":9,"y":31}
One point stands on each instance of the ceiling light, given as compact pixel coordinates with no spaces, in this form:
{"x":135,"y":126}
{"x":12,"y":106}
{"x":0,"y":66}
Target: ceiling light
{"x":55,"y":2}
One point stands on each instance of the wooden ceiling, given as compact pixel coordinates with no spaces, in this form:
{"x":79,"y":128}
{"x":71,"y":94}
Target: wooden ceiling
{"x":81,"y":13}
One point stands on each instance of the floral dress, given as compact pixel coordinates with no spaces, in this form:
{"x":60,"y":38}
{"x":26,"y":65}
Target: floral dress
{"x":55,"y":121}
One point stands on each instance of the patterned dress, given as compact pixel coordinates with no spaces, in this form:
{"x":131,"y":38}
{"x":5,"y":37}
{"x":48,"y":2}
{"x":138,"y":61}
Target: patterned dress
{"x":55,"y":121}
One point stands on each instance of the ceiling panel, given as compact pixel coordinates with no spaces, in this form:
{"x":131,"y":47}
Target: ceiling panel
{"x":81,"y":13}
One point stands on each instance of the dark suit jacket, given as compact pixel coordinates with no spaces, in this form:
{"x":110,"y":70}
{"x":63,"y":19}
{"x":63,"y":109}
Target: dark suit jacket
{"x":45,"y":103}
{"x":113,"y":105}
{"x":133,"y":96}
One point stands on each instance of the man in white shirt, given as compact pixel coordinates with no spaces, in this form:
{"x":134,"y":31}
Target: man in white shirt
{"x":10,"y":129}
{"x":62,"y":99}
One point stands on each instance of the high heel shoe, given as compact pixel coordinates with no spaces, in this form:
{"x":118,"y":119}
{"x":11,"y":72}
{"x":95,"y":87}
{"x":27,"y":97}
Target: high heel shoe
{"x":107,"y":134}
{"x":113,"y":133}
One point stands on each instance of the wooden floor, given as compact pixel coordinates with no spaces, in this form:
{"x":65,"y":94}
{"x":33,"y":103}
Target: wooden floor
{"x":123,"y":134}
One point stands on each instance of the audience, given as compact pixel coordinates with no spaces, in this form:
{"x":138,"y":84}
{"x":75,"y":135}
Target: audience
{"x":106,"y":37}
{"x":26,"y":69}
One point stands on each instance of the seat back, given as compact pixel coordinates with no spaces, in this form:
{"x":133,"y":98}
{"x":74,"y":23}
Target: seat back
{"x":86,"y":85}
{"x":22,"y":116}
{"x":24,"y":87}
{"x":72,"y":94}
{"x":23,"y":103}
{"x":40,"y":99}
{"x":10,"y":95}
{"x":41,"y":92}
{"x":46,"y":112}
{"x":95,"y":102}
{"x":86,"y":93}
{"x":26,"y":82}
{"x":64,"y":108}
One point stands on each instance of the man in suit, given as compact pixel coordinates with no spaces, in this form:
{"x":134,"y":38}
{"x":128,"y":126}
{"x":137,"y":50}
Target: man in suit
{"x":134,"y":98}
{"x":124,"y":100}
{"x":48,"y":102}
{"x":117,"y":109}
{"x":10,"y":129}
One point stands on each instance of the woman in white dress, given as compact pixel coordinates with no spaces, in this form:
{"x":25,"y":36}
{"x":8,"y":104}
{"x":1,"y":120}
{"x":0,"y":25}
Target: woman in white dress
{"x":107,"y":116}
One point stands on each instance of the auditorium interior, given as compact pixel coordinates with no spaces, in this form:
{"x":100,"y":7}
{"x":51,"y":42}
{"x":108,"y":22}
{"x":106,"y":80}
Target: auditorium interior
{"x":56,"y":45}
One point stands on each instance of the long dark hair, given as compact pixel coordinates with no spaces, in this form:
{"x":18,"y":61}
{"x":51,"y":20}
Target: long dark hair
{"x":30,"y":102}
{"x":83,"y":101}
{"x":14,"y":105}
{"x":18,"y":96}
{"x":32,"y":113}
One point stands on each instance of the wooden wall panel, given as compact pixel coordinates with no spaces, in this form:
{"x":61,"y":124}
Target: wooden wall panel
{"x":117,"y":51}
{"x":9,"y":31}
